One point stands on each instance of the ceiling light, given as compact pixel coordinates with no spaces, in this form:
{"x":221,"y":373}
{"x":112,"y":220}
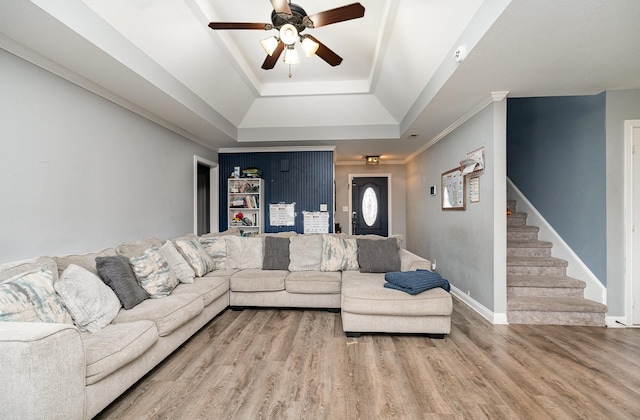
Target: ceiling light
{"x":372,"y":160}
{"x":270,"y":44}
{"x":291,"y":55}
{"x":309,"y":45}
{"x":288,"y":34}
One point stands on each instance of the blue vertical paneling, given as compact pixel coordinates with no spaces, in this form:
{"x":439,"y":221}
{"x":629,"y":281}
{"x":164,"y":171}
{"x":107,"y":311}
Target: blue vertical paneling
{"x":304,"y":178}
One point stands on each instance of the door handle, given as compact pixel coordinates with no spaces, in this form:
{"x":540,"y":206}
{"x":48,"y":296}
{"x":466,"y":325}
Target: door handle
{"x":354,"y":222}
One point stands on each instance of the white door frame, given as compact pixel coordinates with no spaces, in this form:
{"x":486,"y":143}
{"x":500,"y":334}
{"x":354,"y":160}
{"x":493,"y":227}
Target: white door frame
{"x":213,"y":196}
{"x":630,"y":287}
{"x":389,"y":201}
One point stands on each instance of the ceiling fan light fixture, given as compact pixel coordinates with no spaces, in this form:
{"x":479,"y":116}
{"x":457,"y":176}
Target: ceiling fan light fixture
{"x":269,"y":44}
{"x":288,"y":34}
{"x":291,"y":55}
{"x":309,"y":46}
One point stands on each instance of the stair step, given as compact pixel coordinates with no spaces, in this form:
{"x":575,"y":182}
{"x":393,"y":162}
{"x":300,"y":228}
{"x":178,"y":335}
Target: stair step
{"x":522,"y":233}
{"x":517,"y":219}
{"x":544,"y":286}
{"x":511,"y":205}
{"x":555,"y":311}
{"x":529,"y":248}
{"x":537,"y":266}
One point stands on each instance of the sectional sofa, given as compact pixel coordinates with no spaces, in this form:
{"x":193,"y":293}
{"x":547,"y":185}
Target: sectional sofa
{"x":76,"y":331}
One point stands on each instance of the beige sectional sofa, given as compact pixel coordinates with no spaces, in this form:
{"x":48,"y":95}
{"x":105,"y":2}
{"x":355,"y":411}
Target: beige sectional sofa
{"x":61,"y":370}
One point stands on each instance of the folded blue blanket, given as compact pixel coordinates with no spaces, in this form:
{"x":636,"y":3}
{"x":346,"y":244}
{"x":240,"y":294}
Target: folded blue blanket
{"x":414,"y":282}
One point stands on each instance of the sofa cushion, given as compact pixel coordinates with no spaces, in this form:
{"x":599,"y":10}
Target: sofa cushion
{"x":115,"y":346}
{"x":216,"y":247}
{"x":364,"y":293}
{"x":178,"y":264}
{"x":153,"y":273}
{"x":313,"y":282}
{"x":30,"y":297}
{"x":168,"y":313}
{"x":276,"y":253}
{"x":210,"y":288}
{"x":305,"y":252}
{"x":87,"y":261}
{"x":91,"y":303}
{"x":117,"y":273}
{"x":244,"y":252}
{"x":339,"y":254}
{"x":11,"y":269}
{"x":195,"y":254}
{"x":378,"y":256}
{"x":257,"y":280}
{"x":135,"y":248}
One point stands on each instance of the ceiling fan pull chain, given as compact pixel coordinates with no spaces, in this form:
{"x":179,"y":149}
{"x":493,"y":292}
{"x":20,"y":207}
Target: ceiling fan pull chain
{"x":290,"y":71}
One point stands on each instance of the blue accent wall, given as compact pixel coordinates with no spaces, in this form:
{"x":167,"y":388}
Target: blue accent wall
{"x":304,"y":178}
{"x":556,"y":157}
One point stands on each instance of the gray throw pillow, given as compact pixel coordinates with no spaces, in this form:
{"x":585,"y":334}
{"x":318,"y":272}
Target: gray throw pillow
{"x":378,"y":256}
{"x":117,"y":273}
{"x":276,"y":253}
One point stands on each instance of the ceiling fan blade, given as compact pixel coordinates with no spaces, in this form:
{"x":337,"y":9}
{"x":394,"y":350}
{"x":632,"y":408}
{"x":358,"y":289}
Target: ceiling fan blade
{"x":237,"y":25}
{"x":339,"y":14}
{"x":281,"y":6}
{"x":326,"y":53}
{"x":272,"y":59}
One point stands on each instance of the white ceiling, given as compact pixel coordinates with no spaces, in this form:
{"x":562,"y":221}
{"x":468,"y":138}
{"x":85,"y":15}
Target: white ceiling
{"x":398,"y":77}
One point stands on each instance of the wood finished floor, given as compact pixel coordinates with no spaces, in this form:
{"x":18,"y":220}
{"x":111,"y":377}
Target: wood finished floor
{"x":298,"y":364}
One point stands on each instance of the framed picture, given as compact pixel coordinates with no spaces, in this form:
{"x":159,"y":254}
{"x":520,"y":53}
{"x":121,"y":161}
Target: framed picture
{"x":453,"y":190}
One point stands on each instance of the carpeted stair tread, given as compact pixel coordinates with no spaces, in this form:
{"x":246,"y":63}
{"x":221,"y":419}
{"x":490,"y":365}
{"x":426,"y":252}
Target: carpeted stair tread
{"x":555,"y":304}
{"x":544,"y":281}
{"x":536,"y":262}
{"x":529,"y":244}
{"x":523,"y":229}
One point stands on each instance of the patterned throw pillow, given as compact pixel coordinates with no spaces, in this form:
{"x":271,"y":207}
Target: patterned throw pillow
{"x":178,"y":264}
{"x":216,"y":247}
{"x":154,"y":274}
{"x":91,"y":303}
{"x":195,"y":254}
{"x":339,"y":254}
{"x":30,"y":297}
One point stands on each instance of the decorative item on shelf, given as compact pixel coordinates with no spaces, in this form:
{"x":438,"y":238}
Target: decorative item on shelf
{"x":252,"y":173}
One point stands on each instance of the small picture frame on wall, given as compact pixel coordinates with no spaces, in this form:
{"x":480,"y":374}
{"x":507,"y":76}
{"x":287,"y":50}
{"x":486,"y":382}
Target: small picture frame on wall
{"x":453,"y":190}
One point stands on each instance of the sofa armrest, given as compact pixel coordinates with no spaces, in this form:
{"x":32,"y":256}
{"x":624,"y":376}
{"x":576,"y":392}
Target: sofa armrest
{"x":412,"y":262}
{"x":42,"y":366}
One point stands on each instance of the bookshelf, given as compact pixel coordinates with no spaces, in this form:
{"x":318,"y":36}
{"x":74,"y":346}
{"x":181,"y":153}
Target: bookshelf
{"x":245,"y":197}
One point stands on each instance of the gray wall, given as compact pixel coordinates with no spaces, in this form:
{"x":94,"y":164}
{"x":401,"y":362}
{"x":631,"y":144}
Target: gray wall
{"x":462,"y":242}
{"x":79,"y":173}
{"x":621,"y":105}
{"x":397,"y":198}
{"x":556,"y":157}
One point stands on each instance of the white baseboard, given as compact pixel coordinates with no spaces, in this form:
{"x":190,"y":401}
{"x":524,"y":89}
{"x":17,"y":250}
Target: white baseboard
{"x":618,"y":322}
{"x":494,"y":318}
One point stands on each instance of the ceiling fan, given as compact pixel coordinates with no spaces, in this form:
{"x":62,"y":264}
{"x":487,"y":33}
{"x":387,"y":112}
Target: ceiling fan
{"x":290,"y":20}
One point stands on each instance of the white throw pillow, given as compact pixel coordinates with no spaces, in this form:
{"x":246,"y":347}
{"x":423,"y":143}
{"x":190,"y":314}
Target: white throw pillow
{"x":339,"y":254}
{"x":305,"y":252}
{"x":91,"y":303}
{"x":178,"y":264}
{"x":195,"y":254}
{"x":244,"y":252}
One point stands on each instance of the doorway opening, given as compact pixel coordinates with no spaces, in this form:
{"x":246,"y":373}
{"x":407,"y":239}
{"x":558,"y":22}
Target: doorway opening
{"x":370,"y":205}
{"x":632,"y":219}
{"x":205,"y":196}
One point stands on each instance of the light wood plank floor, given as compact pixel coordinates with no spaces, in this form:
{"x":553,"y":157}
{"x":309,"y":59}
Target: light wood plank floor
{"x":298,"y":364}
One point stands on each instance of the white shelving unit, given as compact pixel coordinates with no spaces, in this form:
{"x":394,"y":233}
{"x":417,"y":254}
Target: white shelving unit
{"x":245,"y":196}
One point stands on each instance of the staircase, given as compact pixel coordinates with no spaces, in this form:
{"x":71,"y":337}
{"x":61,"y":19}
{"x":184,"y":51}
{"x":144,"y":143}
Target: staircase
{"x":538,"y":289}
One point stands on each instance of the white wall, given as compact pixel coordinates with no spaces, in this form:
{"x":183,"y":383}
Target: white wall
{"x":621,"y":105}
{"x":397,"y":198}
{"x":79,"y":173}
{"x":469,"y":246}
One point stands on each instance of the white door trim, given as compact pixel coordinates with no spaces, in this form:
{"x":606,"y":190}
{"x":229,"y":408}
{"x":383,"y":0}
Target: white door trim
{"x":629,"y":126}
{"x":389,"y":201}
{"x":213,"y":203}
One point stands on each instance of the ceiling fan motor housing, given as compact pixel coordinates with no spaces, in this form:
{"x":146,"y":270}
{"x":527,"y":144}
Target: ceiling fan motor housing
{"x":297,"y":18}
